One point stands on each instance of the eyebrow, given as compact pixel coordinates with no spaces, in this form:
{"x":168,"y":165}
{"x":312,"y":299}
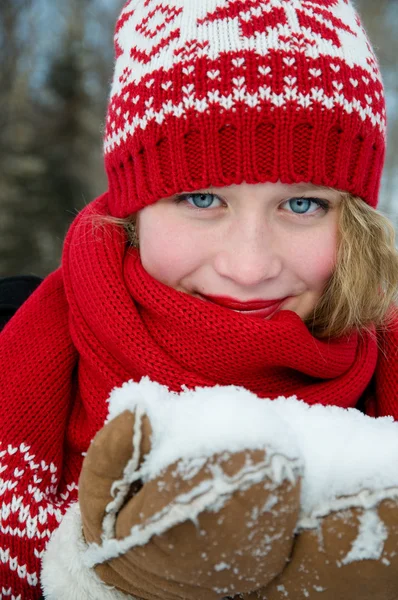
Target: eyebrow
{"x":294,"y":187}
{"x":337,"y":194}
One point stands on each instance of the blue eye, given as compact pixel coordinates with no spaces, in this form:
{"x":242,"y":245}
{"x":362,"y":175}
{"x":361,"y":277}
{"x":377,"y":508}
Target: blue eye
{"x":198,"y":200}
{"x":302,"y":206}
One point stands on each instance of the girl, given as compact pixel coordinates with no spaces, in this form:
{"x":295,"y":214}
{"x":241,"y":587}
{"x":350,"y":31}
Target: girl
{"x":238,"y":243}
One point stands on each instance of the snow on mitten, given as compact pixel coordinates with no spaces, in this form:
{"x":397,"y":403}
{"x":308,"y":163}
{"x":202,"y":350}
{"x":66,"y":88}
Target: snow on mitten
{"x":188,"y":496}
{"x":351,"y":554}
{"x":347,"y":534}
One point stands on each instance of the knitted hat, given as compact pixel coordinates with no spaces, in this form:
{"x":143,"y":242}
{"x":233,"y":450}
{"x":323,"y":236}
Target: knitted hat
{"x":216,"y":92}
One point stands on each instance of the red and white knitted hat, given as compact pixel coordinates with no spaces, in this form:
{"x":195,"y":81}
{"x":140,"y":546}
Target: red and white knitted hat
{"x":216,"y":92}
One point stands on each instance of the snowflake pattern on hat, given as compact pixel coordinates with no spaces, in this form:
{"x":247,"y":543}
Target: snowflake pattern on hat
{"x":183,"y":59}
{"x":313,"y":27}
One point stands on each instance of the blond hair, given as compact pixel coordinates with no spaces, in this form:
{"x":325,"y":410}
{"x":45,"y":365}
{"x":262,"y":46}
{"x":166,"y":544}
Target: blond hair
{"x":363,"y":287}
{"x":364,"y":283}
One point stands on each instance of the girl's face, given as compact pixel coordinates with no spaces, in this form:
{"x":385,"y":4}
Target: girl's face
{"x":273,"y":243}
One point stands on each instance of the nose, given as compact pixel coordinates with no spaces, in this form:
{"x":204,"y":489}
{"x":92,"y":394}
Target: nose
{"x":249,"y":257}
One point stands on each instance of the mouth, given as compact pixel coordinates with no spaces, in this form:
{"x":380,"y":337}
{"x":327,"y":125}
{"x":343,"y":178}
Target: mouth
{"x":254,"y":308}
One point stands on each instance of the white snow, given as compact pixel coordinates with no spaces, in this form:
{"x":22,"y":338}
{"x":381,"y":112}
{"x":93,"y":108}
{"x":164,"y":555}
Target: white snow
{"x":203,"y":422}
{"x":349,"y":458}
{"x":343,"y":452}
{"x":369,"y":543}
{"x":345,"y":459}
{"x":222,"y":566}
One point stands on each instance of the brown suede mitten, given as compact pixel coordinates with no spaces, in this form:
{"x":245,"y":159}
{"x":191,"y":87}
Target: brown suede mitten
{"x":351,"y":555}
{"x":202,"y":529}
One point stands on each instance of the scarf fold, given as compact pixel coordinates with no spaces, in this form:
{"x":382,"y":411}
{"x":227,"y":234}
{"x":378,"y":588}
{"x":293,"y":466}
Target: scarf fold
{"x":113,"y":322}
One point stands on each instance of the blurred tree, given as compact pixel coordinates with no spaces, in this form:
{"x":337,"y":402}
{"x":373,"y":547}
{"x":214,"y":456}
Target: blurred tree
{"x":63,"y":147}
{"x":17,"y":163}
{"x":50,"y":145}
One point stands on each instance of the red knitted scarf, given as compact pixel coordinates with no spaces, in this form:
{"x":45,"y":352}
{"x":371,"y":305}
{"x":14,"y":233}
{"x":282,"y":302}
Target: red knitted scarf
{"x":101,"y":320}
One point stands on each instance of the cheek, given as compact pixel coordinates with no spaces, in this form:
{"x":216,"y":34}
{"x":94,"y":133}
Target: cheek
{"x":315,"y":257}
{"x":168,"y":252}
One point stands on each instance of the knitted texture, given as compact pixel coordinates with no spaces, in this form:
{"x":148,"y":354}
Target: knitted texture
{"x":217,"y":92}
{"x":102,"y":320}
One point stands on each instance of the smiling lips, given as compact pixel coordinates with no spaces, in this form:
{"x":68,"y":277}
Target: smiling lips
{"x":254,"y":308}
